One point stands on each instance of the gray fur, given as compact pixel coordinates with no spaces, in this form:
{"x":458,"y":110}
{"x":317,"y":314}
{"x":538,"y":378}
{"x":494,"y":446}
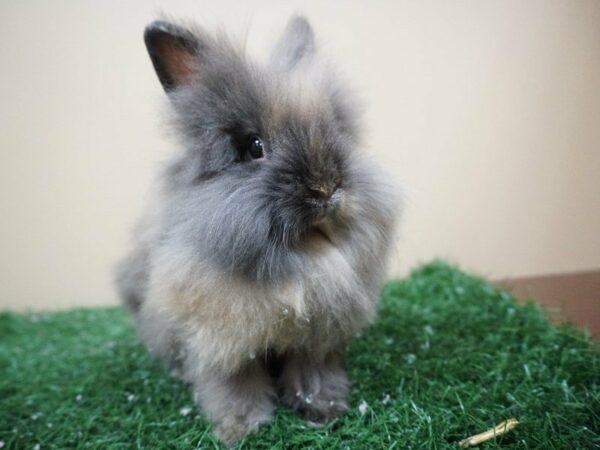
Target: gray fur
{"x":296,"y":44}
{"x":239,"y":261}
{"x":315,"y":388}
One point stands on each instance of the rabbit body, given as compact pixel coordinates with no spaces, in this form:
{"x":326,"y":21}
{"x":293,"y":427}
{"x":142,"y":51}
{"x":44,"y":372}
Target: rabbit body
{"x":268,"y":234}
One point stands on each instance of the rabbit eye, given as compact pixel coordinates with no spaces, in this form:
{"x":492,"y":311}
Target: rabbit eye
{"x":256,"y":148}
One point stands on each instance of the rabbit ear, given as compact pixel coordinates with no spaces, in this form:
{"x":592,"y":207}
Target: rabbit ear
{"x":296,"y":43}
{"x":175,"y":53}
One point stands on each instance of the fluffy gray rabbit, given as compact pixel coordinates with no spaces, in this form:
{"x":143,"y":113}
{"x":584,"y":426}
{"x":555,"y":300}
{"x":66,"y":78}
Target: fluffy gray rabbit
{"x":263,"y":250}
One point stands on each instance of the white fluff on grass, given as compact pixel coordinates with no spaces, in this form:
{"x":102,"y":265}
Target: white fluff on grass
{"x":185,"y":411}
{"x":362,"y":408}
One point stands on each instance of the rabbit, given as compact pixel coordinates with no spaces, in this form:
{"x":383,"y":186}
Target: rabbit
{"x":263,"y":248}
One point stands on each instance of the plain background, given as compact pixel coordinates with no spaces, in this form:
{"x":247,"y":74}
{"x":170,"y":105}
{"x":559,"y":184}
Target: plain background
{"x":487,"y":112}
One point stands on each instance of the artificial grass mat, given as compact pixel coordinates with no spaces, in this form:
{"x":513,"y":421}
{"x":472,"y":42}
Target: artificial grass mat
{"x":450,"y":356}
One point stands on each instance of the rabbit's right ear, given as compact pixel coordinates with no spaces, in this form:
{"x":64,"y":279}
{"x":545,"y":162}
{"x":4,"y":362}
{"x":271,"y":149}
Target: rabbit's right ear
{"x":175,"y":53}
{"x":296,"y":43}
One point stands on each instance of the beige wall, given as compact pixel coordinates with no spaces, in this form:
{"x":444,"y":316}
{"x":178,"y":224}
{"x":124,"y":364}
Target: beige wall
{"x":487,"y":112}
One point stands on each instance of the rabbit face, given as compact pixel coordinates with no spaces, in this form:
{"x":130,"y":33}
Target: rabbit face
{"x":291,"y":150}
{"x":267,"y":161}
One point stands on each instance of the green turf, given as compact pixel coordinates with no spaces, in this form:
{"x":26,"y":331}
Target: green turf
{"x":450,"y":356}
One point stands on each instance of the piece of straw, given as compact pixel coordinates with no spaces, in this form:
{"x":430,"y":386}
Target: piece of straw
{"x":499,"y":429}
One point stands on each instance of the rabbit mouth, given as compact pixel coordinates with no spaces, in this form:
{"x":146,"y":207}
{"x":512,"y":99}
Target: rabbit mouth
{"x":321,"y":231}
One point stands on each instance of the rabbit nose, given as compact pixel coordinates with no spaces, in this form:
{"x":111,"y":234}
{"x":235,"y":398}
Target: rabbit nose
{"x":322,"y":192}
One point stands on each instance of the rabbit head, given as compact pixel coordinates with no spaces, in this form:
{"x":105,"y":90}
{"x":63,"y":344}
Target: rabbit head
{"x":268,"y":157}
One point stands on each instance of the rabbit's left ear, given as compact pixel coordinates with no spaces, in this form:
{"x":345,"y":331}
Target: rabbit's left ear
{"x":296,"y":43}
{"x":175,"y":53}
